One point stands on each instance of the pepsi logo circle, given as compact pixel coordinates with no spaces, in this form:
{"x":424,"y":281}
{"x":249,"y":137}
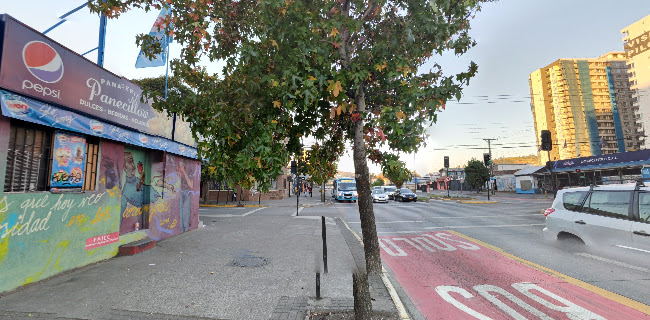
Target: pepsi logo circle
{"x":43,"y":62}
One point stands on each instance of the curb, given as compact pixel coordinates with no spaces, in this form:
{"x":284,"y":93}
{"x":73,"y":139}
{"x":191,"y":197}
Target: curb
{"x":231,"y":206}
{"x":477,"y":202}
{"x":136,"y":247}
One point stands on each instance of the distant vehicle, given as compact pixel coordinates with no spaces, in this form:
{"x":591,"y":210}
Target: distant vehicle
{"x":404,"y":194}
{"x":345,"y":189}
{"x":605,"y":216}
{"x":389,"y":190}
{"x":378,"y":195}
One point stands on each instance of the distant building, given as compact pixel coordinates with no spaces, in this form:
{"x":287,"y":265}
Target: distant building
{"x":636,"y":38}
{"x":577,"y":100}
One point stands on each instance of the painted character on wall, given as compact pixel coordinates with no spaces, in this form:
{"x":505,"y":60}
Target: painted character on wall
{"x":187,"y":189}
{"x":132,"y":190}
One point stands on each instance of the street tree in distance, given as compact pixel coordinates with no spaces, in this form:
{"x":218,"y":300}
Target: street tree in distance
{"x":378,"y":183}
{"x":476,"y":173}
{"x":395,"y":170}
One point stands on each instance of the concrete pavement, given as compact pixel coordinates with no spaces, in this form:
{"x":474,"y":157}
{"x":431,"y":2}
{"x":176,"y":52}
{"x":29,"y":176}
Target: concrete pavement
{"x":240,"y":265}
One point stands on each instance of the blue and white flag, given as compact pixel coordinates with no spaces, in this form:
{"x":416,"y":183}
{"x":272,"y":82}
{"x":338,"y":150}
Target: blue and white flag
{"x":158,"y":32}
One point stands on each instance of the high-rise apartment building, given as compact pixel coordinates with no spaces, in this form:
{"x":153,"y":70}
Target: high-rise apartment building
{"x":636,"y":38}
{"x":577,"y":101}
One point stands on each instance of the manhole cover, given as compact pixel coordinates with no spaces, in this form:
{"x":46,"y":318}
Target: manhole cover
{"x":246,"y":259}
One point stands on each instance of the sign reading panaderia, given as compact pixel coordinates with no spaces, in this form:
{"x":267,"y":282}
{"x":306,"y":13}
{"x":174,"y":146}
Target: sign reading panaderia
{"x":36,"y":66}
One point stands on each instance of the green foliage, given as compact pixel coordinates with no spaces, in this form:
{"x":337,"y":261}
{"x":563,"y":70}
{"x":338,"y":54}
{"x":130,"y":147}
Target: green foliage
{"x":379,"y":182}
{"x":294,"y":69}
{"x":395,"y":170}
{"x":476,"y":173}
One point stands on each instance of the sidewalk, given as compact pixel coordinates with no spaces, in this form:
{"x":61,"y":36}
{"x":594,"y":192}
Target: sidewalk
{"x":499,"y":195}
{"x":255,"y":267}
{"x":314,"y":200}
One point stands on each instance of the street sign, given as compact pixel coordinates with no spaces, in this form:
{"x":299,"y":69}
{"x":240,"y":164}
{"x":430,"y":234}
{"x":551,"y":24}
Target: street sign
{"x":447,"y":179}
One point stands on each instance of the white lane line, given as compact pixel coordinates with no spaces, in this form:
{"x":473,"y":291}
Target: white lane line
{"x":493,"y":216}
{"x":489,"y":226}
{"x":249,"y":212}
{"x":378,"y":222}
{"x":632,"y":248}
{"x":618,"y":263}
{"x":295,"y":213}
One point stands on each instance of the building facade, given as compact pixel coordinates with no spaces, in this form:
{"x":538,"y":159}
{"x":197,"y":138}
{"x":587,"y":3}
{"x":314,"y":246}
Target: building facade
{"x":636,"y":38}
{"x":577,"y":101}
{"x":87,"y":166}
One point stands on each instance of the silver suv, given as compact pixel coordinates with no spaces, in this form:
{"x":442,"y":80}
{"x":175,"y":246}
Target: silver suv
{"x":609,"y":215}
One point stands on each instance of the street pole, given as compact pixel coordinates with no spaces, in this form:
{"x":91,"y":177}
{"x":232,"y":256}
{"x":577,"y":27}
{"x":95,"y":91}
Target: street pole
{"x":550,"y":169}
{"x":447,"y":182}
{"x":297,"y":193}
{"x":491,"y":166}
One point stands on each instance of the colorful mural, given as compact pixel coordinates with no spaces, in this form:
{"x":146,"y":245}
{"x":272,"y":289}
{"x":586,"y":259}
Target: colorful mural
{"x":44,"y":233}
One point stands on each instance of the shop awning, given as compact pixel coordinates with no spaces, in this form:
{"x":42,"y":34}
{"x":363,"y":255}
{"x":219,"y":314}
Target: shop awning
{"x":27,"y":109}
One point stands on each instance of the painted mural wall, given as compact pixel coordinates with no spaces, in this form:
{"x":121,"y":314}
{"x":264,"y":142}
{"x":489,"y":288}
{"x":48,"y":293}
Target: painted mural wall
{"x":44,"y":233}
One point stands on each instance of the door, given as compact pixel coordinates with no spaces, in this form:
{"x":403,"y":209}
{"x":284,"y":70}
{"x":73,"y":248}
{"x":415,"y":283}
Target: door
{"x":640,"y":230}
{"x":605,"y":218}
{"x":134,"y":181}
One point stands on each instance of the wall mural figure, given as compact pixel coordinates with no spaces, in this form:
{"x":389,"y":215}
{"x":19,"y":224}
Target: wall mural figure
{"x":187,"y":190}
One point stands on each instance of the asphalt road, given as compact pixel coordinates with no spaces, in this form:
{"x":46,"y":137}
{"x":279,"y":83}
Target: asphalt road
{"x":455,"y":260}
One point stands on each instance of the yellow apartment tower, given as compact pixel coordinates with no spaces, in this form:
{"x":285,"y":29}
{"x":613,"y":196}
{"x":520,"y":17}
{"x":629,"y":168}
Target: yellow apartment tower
{"x":636,"y":38}
{"x":576,"y":100}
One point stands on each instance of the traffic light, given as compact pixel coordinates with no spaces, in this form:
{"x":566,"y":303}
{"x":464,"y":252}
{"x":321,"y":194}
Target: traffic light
{"x":547,"y":144}
{"x":486,"y":159}
{"x":577,"y":170}
{"x":446,"y":162}
{"x":294,"y":167}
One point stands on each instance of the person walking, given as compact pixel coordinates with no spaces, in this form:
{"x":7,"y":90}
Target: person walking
{"x":310,"y":190}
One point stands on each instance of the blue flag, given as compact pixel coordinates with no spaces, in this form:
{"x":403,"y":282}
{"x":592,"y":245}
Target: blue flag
{"x":158,"y":32}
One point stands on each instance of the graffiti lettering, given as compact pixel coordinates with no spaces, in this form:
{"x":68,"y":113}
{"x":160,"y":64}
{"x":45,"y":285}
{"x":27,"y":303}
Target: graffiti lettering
{"x":424,"y":242}
{"x":61,"y":204}
{"x":101,"y":215}
{"x":132,"y":212}
{"x":173,"y":224}
{"x":29,"y":227}
{"x":4,"y":205}
{"x":91,"y":199}
{"x":34,"y":204}
{"x":78,"y":220}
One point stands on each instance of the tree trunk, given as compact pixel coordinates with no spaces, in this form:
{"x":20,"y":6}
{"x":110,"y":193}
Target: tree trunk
{"x":361,"y":293}
{"x":366,"y":213}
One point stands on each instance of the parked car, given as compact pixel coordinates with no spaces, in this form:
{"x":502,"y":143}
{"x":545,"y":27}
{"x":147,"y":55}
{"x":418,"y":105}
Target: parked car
{"x":389,"y":190}
{"x":404,"y":194}
{"x":609,"y":215}
{"x":379,"y":196}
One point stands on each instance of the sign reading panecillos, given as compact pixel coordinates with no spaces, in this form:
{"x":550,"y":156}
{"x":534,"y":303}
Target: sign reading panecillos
{"x":33,"y":65}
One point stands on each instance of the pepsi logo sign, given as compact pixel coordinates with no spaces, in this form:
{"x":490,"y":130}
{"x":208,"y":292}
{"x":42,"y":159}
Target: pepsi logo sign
{"x":144,"y":139}
{"x":96,"y":126}
{"x":43,"y":62}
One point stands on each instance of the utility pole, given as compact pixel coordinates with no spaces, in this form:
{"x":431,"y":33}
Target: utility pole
{"x":491,"y":166}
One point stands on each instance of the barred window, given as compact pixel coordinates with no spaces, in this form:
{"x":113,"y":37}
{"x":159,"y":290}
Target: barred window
{"x":28,"y":158}
{"x":92,"y":154}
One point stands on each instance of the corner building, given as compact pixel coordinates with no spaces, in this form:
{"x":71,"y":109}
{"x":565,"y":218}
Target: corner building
{"x":85,"y":166}
{"x":577,"y":101}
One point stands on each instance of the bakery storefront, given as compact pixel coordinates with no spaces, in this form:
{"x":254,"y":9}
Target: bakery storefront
{"x":87,"y":166}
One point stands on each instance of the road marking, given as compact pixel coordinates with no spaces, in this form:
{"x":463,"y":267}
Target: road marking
{"x":632,"y":248}
{"x":493,"y":216}
{"x":249,"y":212}
{"x":618,"y":263}
{"x":406,"y":221}
{"x":231,"y":215}
{"x":392,"y":232}
{"x":227,"y":208}
{"x":401,"y":309}
{"x":295,"y":213}
{"x":488,"y":226}
{"x":599,"y":291}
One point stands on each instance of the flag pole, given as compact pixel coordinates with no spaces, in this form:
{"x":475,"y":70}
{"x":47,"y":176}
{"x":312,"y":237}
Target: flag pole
{"x":167,"y":63}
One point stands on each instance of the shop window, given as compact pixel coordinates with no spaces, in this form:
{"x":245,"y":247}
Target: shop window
{"x":92,"y":155}
{"x":28,"y":158}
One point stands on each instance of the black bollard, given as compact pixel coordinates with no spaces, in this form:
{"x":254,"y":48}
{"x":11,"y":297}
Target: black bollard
{"x":317,"y":285}
{"x":324,"y":234}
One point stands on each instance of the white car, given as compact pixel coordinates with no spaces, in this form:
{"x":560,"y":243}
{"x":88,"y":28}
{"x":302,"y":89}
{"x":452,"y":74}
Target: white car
{"x":389,"y":191}
{"x":605,"y":216}
{"x":379,"y":196}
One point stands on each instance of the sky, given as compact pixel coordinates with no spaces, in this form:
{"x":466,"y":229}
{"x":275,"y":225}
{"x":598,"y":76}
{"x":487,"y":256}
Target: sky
{"x":514,"y":38}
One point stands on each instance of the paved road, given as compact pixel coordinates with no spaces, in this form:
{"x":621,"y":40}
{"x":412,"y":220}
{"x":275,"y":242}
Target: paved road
{"x":454,"y":260}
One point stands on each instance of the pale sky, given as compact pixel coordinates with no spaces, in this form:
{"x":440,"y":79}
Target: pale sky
{"x":515,"y":37}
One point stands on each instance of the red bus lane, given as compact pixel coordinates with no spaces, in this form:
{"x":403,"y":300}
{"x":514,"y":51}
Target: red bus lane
{"x":447,"y":276}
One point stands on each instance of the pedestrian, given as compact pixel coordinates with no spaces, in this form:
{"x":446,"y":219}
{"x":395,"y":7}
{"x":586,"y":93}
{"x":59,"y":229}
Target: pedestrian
{"x":310,"y":190}
{"x":234,"y":195}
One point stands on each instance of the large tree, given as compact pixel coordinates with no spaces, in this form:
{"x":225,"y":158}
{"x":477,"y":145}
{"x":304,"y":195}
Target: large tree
{"x":476,"y":173}
{"x":347,"y":70}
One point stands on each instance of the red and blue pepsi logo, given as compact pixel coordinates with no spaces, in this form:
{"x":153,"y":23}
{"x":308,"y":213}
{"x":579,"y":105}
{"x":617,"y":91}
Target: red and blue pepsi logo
{"x":43,"y":62}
